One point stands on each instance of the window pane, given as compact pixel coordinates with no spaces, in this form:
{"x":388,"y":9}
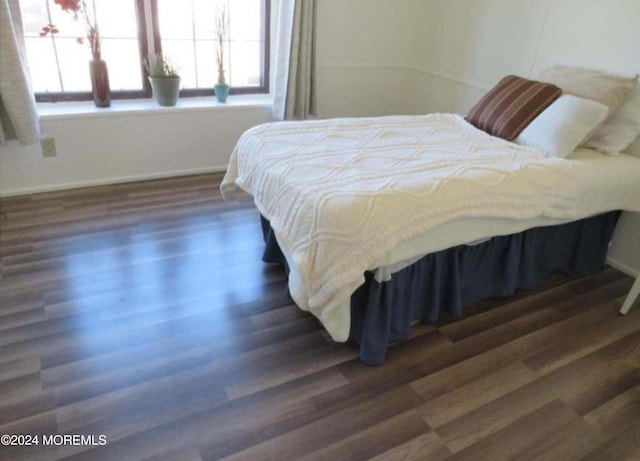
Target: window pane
{"x":176,"y":19}
{"x":245,"y":20}
{"x":187,"y":30}
{"x":61,"y":57}
{"x":123,"y":61}
{"x":42,"y":65}
{"x":203,"y":12}
{"x":245,"y":63}
{"x":207,"y":64}
{"x":34,"y":16}
{"x":74,"y":64}
{"x":117,"y":18}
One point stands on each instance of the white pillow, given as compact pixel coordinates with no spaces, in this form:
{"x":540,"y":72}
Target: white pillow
{"x":609,"y":89}
{"x":562,"y":126}
{"x":619,"y":131}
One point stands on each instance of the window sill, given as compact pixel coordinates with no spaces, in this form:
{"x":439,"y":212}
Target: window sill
{"x":126,"y":107}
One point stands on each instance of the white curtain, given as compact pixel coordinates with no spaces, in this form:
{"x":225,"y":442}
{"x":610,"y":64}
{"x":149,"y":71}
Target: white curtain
{"x":295,"y":64}
{"x":18,"y":116}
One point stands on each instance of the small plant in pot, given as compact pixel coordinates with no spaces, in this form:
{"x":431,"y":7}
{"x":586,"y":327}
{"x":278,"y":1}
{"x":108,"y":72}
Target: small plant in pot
{"x":222,"y":27}
{"x":164,"y":78}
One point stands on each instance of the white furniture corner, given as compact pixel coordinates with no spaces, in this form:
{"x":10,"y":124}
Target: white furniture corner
{"x":632,"y":296}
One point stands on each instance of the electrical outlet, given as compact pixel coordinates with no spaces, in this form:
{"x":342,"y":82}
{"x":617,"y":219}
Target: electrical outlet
{"x":48,"y":146}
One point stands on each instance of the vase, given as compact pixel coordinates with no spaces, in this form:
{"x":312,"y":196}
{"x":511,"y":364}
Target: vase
{"x":222,"y":91}
{"x":100,"y":83}
{"x":165,"y":90}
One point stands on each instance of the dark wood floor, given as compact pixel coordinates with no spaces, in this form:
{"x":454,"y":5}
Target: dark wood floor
{"x":143,"y":313}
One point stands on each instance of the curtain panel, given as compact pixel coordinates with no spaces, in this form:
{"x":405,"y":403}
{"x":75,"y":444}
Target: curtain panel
{"x":295,"y":66}
{"x":18,"y":116}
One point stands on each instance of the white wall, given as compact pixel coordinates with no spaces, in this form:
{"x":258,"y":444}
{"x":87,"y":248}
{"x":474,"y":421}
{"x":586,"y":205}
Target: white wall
{"x":469,"y":45}
{"x":111,"y":147}
{"x":365,"y":56}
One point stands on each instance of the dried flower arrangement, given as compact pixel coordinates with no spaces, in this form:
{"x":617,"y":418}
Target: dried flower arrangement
{"x":80,"y":9}
{"x":222,"y":30}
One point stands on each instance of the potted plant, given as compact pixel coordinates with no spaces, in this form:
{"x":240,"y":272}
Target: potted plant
{"x":222,"y":27}
{"x":164,"y":78}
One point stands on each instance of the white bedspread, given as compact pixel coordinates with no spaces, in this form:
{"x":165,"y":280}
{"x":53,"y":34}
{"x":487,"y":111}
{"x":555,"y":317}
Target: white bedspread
{"x":605,"y":183}
{"x":342,"y":193}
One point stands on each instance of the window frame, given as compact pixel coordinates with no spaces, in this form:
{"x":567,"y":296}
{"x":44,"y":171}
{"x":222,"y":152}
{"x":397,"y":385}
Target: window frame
{"x":150,"y":41}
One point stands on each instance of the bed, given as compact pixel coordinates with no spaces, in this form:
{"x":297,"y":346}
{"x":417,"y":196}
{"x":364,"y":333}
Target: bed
{"x":383,"y":221}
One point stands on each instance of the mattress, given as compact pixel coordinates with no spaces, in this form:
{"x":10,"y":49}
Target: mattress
{"x":605,"y":183}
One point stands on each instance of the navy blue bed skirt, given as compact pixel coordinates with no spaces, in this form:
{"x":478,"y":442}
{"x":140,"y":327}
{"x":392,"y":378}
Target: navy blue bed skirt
{"x":382,"y":313}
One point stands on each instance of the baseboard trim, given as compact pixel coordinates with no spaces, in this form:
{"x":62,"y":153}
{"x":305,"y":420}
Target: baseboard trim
{"x":622,"y":267}
{"x":108,"y":181}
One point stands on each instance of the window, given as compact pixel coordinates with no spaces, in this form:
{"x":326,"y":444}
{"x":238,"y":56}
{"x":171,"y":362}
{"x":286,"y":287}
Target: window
{"x":187,"y":30}
{"x":131,"y":29}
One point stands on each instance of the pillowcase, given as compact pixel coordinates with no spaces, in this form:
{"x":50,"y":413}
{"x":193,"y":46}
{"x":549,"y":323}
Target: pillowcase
{"x":511,"y":105}
{"x":610,"y":90}
{"x":619,"y":131}
{"x":561,"y":128}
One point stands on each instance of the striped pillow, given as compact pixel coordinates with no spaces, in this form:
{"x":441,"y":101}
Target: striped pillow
{"x":511,"y":105}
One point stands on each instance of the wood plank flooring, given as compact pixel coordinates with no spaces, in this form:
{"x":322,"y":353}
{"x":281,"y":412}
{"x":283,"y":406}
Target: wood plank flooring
{"x":143,"y":313}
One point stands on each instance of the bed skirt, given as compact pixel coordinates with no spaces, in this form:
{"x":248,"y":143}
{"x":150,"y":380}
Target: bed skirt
{"x":383,"y":312}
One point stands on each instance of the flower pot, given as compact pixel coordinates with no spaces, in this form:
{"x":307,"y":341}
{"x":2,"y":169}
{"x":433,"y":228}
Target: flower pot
{"x":165,"y":90}
{"x":100,"y":83}
{"x":222,"y":91}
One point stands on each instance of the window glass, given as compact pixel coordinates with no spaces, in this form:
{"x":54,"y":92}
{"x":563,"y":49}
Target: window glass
{"x":187,"y":31}
{"x":59,"y":65}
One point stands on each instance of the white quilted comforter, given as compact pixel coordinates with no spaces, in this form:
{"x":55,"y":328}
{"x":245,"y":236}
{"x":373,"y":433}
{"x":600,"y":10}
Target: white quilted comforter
{"x":342,"y":193}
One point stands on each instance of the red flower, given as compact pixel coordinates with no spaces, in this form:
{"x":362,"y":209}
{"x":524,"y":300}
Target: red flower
{"x":69,"y":5}
{"x":49,"y":29}
{"x":79,"y":9}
